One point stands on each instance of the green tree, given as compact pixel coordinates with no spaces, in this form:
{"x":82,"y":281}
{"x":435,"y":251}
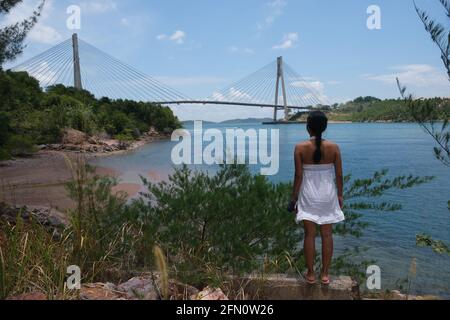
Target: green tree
{"x":12,"y":36}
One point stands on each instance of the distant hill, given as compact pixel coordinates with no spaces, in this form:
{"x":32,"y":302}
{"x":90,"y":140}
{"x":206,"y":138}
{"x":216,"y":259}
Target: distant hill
{"x":234,"y":121}
{"x":191,"y":122}
{"x":249,"y":120}
{"x":370,"y":109}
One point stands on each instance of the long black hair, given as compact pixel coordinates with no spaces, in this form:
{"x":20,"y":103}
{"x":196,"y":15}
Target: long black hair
{"x":317,"y":125}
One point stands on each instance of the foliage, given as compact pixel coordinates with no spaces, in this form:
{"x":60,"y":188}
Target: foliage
{"x":390,"y":110}
{"x":207,"y":226}
{"x":28,"y":112}
{"x":13,"y":36}
{"x":233,"y":222}
{"x":440,"y":35}
{"x":424,"y":113}
{"x":371,"y":109}
{"x":20,"y":146}
{"x":439,"y":247}
{"x":31,"y":259}
{"x":95,"y":237}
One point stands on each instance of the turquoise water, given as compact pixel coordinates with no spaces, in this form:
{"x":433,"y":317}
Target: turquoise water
{"x":404,"y":149}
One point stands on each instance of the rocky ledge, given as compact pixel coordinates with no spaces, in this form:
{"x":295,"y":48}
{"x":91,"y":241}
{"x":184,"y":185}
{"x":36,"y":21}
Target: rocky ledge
{"x":79,"y":142}
{"x":52,"y":220}
{"x":275,"y":287}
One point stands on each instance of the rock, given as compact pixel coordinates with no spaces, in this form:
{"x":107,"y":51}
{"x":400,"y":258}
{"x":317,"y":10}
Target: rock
{"x":397,"y":295}
{"x":210,"y":294}
{"x":181,"y":291}
{"x":283,"y":287}
{"x":152,"y":132}
{"x":139,"y":288}
{"x":75,"y":137}
{"x":101,"y":291}
{"x":52,"y":220}
{"x":94,"y":140}
{"x":34,"y":296}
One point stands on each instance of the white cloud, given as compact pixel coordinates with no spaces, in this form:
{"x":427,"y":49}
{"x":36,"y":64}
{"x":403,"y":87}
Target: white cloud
{"x":233,"y":94}
{"x":125,"y":22}
{"x":418,"y":75}
{"x":98,"y":7}
{"x":191,"y":81}
{"x":42,"y":32}
{"x":288,"y":42}
{"x":315,"y":90}
{"x":316,"y":85}
{"x":275,"y":10}
{"x":234,"y":49}
{"x":178,"y":37}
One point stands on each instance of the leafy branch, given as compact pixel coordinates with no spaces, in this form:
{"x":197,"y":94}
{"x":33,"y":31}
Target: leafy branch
{"x":439,"y":34}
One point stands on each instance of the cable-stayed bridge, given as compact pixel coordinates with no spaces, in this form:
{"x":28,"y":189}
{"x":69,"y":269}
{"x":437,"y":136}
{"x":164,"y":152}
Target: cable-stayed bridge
{"x":78,"y":64}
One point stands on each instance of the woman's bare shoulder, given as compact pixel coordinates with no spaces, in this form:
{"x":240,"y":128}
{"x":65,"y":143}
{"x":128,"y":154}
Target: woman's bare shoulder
{"x":331,"y":144}
{"x":302,"y":145}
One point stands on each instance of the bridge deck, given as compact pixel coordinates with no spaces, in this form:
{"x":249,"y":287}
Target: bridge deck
{"x":260,"y":105}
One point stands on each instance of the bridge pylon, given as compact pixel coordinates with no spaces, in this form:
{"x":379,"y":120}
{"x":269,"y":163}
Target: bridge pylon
{"x":76,"y":63}
{"x":280,"y":80}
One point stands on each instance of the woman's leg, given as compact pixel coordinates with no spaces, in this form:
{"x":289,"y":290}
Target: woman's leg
{"x":326,"y":232}
{"x":309,"y":246}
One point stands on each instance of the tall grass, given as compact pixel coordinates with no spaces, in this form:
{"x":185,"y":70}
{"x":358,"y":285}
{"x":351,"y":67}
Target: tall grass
{"x":32,"y":260}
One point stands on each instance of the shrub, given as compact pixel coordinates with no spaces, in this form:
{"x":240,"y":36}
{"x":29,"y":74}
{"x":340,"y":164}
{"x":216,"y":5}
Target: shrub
{"x":20,"y":146}
{"x":234,"y":222}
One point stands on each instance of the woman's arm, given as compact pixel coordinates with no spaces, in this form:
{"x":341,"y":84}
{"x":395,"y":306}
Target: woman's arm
{"x":298,"y":174}
{"x":339,"y":177}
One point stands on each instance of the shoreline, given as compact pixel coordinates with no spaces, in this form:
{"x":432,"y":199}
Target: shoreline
{"x":40,"y":180}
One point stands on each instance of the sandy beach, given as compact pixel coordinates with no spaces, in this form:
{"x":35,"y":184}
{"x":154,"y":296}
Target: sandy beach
{"x":41,"y":181}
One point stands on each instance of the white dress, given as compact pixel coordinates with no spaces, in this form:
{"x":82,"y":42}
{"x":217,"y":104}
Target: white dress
{"x":318,"y":201}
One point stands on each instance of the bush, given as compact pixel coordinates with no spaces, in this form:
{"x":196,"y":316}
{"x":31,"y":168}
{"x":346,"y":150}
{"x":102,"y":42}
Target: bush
{"x":234,"y":222}
{"x":230,"y":221}
{"x":4,"y":155}
{"x":4,"y":128}
{"x":20,"y":146}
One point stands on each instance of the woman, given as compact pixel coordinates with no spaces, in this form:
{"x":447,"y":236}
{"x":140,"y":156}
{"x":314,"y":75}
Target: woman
{"x":317,"y":198}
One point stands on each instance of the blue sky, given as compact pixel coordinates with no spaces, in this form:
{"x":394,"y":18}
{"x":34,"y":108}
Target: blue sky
{"x":200,"y":46}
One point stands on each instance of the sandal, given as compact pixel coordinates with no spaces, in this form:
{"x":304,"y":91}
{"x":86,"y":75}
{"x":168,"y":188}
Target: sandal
{"x":325,"y":280}
{"x":310,"y":279}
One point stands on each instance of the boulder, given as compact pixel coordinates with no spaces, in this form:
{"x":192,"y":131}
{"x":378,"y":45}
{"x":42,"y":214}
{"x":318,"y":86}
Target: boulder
{"x":210,"y":294}
{"x":139,"y":288}
{"x":75,"y":137}
{"x":53,"y":221}
{"x":283,"y":287}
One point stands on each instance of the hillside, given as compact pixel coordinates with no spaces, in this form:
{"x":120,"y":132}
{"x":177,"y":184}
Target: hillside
{"x":370,"y":109}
